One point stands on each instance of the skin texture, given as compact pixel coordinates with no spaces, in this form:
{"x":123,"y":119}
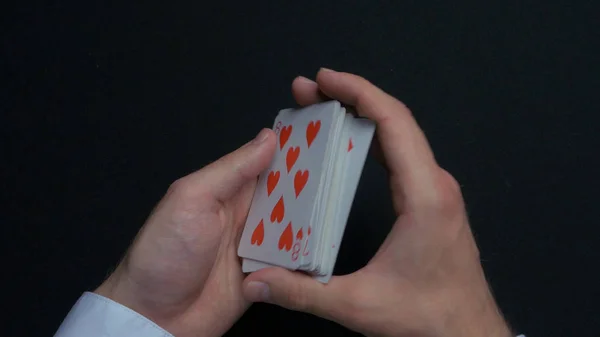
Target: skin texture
{"x":183,"y":273}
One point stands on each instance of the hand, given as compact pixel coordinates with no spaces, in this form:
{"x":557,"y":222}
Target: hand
{"x":426,"y":278}
{"x":182,"y":270}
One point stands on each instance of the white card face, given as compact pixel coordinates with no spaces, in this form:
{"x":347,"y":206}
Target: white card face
{"x":250,"y":266}
{"x":302,"y":202}
{"x":284,"y":198}
{"x":360,"y":133}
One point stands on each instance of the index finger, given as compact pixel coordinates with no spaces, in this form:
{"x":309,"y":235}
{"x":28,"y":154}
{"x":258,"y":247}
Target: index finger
{"x":406,"y":150}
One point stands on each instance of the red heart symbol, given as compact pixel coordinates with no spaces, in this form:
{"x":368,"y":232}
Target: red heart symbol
{"x":286,"y":238}
{"x":300,"y":179}
{"x":272,"y":181}
{"x":299,"y":235}
{"x":284,"y":135}
{"x":258,"y":235}
{"x":278,"y":211}
{"x":311,"y":131}
{"x":292,"y":155}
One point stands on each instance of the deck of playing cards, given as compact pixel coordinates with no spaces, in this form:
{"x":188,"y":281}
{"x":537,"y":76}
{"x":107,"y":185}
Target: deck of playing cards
{"x":302,"y":201}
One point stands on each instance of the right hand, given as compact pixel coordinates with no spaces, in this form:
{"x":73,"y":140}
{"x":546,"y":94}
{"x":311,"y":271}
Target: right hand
{"x":426,"y":279}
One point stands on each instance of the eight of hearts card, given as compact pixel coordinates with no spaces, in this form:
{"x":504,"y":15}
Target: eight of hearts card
{"x":302,"y":201}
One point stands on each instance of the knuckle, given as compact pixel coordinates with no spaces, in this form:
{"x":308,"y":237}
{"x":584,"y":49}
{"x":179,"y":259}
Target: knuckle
{"x":449,"y":197}
{"x":403,"y":107}
{"x":446,"y":197}
{"x":177,"y":186}
{"x":450,"y":182}
{"x":182,"y":188}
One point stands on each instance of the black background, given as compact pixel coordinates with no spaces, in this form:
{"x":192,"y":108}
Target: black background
{"x":104,"y":104}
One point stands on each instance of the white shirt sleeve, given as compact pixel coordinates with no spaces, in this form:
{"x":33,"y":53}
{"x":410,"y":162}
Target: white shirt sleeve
{"x":97,"y":316}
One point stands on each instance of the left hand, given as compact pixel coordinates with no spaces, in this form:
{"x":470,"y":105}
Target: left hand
{"x":182,"y":271}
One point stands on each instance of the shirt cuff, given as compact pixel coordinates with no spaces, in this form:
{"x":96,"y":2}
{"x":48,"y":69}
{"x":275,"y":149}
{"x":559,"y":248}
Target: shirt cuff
{"x":97,"y":316}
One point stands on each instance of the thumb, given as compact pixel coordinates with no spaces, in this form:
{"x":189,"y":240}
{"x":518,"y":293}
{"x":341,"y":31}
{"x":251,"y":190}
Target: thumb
{"x":300,"y":292}
{"x":224,"y":177}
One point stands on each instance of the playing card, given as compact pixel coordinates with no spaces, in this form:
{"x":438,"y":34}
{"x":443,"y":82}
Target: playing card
{"x":284,"y":200}
{"x":302,"y":202}
{"x":250,"y":266}
{"x":313,"y":261}
{"x":357,"y":142}
{"x":316,"y":229}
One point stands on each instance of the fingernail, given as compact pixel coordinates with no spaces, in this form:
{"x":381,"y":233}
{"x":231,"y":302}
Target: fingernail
{"x":261,"y":137}
{"x":257,"y":291}
{"x":327,"y":70}
{"x":305,"y":80}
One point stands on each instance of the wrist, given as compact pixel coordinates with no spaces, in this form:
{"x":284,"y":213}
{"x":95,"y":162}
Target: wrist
{"x":158,"y":307}
{"x":119,"y":288}
{"x":487,"y":323}
{"x":112,"y":288}
{"x":479,"y":318}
